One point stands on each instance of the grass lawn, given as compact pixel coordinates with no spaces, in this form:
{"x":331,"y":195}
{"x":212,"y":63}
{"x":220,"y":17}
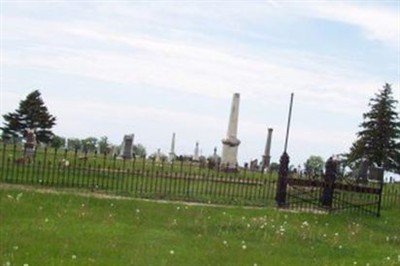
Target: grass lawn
{"x":72,"y":229}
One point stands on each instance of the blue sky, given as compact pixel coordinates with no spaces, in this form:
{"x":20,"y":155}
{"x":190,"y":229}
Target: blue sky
{"x":109,"y":68}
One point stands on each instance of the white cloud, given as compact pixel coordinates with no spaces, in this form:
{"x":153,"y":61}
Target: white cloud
{"x":377,"y":22}
{"x":193,"y":68}
{"x":170,"y":48}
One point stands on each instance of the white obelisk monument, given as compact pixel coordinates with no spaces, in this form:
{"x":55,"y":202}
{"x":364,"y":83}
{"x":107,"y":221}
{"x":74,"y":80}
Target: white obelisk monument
{"x":231,"y":143}
{"x":172,"y":154}
{"x":196,"y":157}
{"x":267,"y":152}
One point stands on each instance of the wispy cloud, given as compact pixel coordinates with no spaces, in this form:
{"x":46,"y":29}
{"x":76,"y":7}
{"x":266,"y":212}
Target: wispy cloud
{"x":191,"y":68}
{"x":377,"y":22}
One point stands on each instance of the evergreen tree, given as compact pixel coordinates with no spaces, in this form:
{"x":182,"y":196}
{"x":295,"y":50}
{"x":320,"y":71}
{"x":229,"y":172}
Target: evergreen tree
{"x":32,"y":113}
{"x":379,"y":139}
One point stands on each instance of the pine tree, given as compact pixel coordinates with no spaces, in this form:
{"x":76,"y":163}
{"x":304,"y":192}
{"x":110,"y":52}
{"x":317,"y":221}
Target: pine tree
{"x":379,"y":139}
{"x":32,"y":113}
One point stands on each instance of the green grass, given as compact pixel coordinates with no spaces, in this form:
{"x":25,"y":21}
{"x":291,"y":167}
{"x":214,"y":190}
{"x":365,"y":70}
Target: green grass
{"x":70,"y":229}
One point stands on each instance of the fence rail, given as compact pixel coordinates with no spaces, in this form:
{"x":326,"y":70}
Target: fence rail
{"x":143,"y":178}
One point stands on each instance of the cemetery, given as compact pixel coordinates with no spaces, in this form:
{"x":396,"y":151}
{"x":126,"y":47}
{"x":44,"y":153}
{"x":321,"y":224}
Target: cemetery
{"x":212,"y":180}
{"x":116,"y":208}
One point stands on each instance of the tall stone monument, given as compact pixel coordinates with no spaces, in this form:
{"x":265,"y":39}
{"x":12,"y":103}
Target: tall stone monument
{"x":126,"y":150}
{"x":196,"y":157}
{"x":172,"y":155}
{"x":267,"y":152}
{"x":231,"y":142}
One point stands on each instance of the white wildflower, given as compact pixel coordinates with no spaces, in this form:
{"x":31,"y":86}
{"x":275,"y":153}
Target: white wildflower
{"x":19,"y":196}
{"x":171,"y":252}
{"x":73,"y":257}
{"x":244,"y":247}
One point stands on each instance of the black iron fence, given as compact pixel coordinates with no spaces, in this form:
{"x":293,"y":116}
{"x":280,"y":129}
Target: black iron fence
{"x":146,"y":178}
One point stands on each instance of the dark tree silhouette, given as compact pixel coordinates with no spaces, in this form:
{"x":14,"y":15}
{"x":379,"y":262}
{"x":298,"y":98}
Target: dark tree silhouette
{"x":379,"y":138}
{"x":32,"y":113}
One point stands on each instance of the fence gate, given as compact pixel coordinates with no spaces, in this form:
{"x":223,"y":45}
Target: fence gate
{"x":362,"y":194}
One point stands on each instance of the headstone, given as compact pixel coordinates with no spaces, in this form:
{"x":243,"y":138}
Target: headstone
{"x":363,"y":171}
{"x":376,"y":173}
{"x":254,"y":165}
{"x":127,"y":147}
{"x":231,"y":143}
{"x":158,"y":156}
{"x":215,"y":155}
{"x":30,"y":143}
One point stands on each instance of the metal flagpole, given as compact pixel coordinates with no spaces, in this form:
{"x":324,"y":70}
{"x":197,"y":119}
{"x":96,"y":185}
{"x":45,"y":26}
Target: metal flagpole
{"x":288,"y":123}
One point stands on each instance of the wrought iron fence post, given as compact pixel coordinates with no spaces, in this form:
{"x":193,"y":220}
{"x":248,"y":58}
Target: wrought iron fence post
{"x":282,"y":180}
{"x":329,"y":183}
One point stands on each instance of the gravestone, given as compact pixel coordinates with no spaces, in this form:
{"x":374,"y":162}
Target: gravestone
{"x":376,"y":173}
{"x":254,"y":165}
{"x":158,"y":156}
{"x":30,"y":143}
{"x":215,"y":155}
{"x":363,"y":171}
{"x":127,"y":147}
